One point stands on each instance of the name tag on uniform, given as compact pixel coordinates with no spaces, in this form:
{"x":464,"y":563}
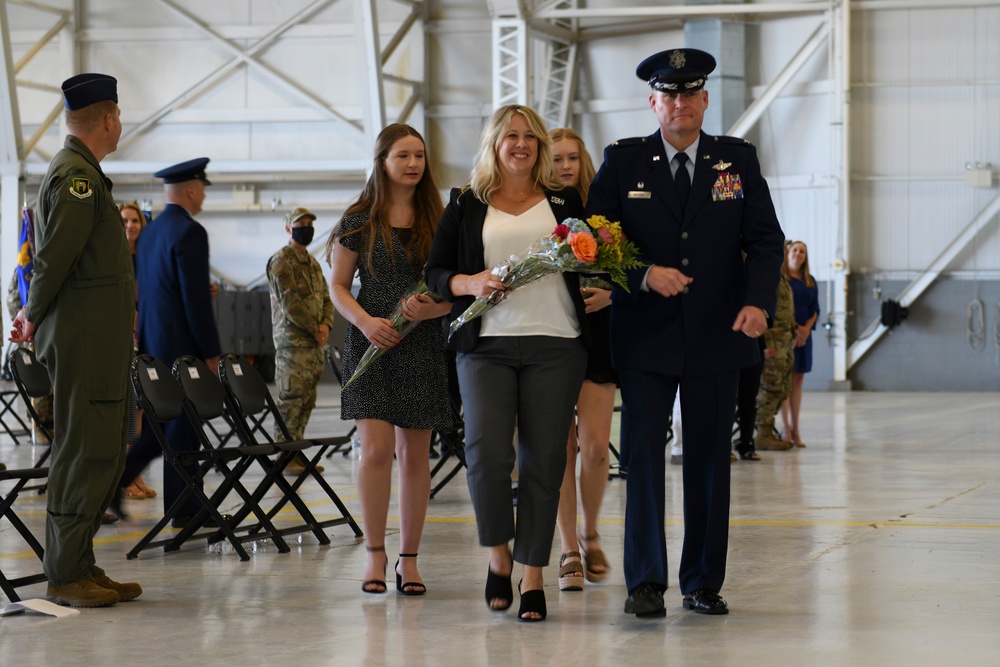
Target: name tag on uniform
{"x":639,"y":194}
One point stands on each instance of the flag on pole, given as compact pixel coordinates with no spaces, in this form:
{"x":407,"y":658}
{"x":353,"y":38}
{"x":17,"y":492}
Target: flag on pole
{"x":25,"y":254}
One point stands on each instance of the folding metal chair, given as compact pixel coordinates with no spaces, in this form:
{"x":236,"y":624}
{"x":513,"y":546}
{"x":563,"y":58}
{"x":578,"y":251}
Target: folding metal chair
{"x":163,"y":398}
{"x":8,"y":403}
{"x":207,"y":395}
{"x":335,"y":355}
{"x":9,"y":584}
{"x":250,"y":404}
{"x":32,"y":381}
{"x":452,"y":445}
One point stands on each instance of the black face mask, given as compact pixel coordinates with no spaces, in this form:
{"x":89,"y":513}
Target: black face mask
{"x":303,"y":235}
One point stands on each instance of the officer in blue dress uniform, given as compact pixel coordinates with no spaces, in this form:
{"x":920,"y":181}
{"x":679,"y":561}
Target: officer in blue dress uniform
{"x":175,"y":310}
{"x":705,"y":224}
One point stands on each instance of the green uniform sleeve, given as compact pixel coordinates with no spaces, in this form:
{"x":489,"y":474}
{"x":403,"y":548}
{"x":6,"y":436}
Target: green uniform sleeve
{"x":61,"y":235}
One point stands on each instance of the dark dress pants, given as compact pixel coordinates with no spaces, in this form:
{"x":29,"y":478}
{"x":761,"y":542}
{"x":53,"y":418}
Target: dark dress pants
{"x":746,"y":399}
{"x":707,"y":407}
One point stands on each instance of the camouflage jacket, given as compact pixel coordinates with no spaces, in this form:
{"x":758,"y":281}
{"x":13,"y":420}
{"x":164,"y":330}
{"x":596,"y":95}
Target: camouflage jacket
{"x":300,"y":299}
{"x":782,"y":329}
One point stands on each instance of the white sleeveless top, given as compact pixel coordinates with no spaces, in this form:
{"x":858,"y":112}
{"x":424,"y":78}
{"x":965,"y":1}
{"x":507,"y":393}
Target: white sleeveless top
{"x":543,"y":308}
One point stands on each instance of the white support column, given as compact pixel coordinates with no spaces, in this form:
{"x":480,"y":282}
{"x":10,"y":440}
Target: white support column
{"x":558,"y":77}
{"x":11,"y":200}
{"x":840,"y":53}
{"x":366,"y":20}
{"x":11,"y":156}
{"x":510,"y":62}
{"x":11,"y":141}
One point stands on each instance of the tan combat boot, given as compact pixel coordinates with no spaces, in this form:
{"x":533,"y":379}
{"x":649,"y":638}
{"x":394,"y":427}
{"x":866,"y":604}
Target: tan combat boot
{"x":82,"y":593}
{"x":769,"y":442}
{"x":297,"y":466}
{"x":125,"y":592}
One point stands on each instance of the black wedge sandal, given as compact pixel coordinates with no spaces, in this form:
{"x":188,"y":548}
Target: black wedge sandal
{"x":409,"y":587}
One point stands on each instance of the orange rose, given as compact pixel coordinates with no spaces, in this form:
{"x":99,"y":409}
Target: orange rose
{"x":584,"y":246}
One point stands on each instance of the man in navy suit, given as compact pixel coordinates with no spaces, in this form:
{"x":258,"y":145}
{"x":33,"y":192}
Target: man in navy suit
{"x":705,"y":225}
{"x":175,"y":310}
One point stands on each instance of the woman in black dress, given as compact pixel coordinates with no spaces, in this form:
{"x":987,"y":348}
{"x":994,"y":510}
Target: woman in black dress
{"x":386,"y":236}
{"x":582,"y":556}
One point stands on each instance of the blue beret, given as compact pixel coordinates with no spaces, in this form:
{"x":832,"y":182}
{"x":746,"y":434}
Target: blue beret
{"x":83,"y":90}
{"x":185,"y":171}
{"x":676,"y":70}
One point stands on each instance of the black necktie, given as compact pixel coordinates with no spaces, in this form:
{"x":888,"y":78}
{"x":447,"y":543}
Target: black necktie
{"x":682,"y":180}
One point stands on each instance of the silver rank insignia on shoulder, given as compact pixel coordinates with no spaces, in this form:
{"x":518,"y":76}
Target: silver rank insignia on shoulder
{"x":720,"y":165}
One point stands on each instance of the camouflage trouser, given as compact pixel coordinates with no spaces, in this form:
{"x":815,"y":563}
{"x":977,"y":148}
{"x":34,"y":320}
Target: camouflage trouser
{"x":775,"y":385}
{"x":43,"y":406}
{"x":297,"y":371}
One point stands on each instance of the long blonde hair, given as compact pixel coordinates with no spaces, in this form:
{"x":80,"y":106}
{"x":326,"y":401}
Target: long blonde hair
{"x":374,"y":199}
{"x":587,"y":170}
{"x":486,"y":178}
{"x":806,"y":276}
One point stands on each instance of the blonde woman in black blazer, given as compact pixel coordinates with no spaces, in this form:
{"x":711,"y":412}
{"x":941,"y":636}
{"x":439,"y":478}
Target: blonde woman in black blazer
{"x":521,"y":363}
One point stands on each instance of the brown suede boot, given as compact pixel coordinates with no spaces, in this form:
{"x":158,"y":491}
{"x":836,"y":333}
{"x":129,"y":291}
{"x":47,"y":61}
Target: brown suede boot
{"x":82,"y":593}
{"x":125,"y":592}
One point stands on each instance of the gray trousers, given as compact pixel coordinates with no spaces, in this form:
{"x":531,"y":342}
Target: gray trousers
{"x":532,"y":381}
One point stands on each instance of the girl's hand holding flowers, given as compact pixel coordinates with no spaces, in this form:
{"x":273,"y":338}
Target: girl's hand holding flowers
{"x":595,"y":298}
{"x":380,"y":333}
{"x":386,"y":333}
{"x":420,"y":307}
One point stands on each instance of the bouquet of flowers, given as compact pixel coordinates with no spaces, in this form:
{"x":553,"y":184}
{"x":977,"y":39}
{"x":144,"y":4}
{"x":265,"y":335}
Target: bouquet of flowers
{"x":402,"y":326}
{"x":594,"y":246}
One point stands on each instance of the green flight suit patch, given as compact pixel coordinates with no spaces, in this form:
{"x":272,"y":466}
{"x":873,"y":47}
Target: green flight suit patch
{"x":80,"y":188}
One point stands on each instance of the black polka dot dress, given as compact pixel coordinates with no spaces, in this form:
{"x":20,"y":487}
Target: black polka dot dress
{"x":408,"y":385}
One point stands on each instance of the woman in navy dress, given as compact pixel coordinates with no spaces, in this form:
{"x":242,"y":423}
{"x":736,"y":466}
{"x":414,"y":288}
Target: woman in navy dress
{"x":806,"y":297}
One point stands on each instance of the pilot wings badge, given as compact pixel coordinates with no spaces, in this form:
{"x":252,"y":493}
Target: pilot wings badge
{"x":722,"y":165}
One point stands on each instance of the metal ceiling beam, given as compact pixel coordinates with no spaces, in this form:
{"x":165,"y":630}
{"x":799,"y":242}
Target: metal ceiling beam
{"x":40,"y":44}
{"x":347,"y":127}
{"x":757,"y":108}
{"x":688,"y":11}
{"x":366,"y":20}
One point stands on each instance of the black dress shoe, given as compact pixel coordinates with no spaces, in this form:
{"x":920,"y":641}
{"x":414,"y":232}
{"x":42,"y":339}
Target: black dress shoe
{"x":704,"y":601}
{"x":645,"y":601}
{"x":209,"y":522}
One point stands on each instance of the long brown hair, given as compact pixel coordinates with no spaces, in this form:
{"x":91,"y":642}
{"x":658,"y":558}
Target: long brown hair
{"x":374,"y":199}
{"x":587,"y":170}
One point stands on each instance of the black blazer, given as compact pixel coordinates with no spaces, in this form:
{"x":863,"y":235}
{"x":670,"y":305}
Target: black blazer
{"x":458,"y":248}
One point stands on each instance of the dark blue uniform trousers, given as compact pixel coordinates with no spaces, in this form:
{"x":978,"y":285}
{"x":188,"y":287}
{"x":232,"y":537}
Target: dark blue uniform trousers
{"x":707,"y":407}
